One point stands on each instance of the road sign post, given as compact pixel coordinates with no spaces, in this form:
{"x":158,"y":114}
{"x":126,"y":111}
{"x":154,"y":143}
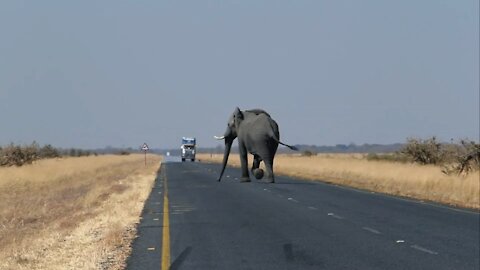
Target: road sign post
{"x":145,"y":149}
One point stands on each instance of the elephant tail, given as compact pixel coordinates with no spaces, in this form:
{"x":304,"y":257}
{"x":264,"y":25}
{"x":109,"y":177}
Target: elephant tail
{"x":289,"y":146}
{"x":276,"y":136}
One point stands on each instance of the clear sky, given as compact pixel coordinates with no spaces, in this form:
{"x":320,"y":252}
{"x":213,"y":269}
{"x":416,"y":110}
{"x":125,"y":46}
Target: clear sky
{"x":96,"y":73}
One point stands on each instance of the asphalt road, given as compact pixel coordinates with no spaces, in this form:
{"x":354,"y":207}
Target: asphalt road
{"x":293,"y":224}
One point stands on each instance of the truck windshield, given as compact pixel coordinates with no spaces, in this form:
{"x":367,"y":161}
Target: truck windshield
{"x":188,"y":142}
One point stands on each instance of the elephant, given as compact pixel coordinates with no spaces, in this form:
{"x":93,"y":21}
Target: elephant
{"x":258,"y":135}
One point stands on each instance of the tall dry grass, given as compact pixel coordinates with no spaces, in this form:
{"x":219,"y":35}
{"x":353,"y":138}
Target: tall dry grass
{"x":72,"y":213}
{"x":424,"y":182}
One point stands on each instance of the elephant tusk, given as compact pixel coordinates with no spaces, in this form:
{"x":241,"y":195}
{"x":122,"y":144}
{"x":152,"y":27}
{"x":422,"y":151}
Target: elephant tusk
{"x":219,"y":138}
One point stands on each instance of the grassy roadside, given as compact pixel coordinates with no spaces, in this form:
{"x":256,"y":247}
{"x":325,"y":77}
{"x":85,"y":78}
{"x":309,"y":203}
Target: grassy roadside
{"x":72,"y":213}
{"x":409,"y":180}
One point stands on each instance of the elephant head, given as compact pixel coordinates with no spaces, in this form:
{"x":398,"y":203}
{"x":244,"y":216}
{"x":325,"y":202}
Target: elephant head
{"x":229,"y":136}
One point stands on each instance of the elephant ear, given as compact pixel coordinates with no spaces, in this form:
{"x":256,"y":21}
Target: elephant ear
{"x":238,"y":114}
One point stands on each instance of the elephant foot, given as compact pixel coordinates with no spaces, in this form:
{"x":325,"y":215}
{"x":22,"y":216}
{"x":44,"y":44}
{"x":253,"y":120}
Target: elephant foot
{"x":245,"y":179}
{"x":258,"y":173}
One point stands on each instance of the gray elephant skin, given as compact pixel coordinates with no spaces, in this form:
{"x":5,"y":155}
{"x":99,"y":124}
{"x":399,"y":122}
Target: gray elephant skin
{"x":258,"y":135}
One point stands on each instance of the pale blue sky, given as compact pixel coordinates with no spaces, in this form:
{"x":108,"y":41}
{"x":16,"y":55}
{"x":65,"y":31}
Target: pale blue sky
{"x":120,"y":73}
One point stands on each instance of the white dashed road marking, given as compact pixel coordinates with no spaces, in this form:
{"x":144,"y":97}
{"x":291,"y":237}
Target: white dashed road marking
{"x":293,"y":200}
{"x":424,"y":249}
{"x":335,"y":216}
{"x":312,"y":208}
{"x":371,"y":230}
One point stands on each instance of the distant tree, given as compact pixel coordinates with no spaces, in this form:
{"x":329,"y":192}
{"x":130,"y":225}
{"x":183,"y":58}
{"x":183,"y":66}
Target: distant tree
{"x":48,"y":151}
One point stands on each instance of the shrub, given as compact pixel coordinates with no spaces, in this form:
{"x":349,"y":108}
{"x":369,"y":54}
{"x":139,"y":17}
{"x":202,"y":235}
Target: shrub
{"x":30,"y":152}
{"x":427,"y":151}
{"x":467,"y":159}
{"x":11,"y":155}
{"x":16,"y":155}
{"x":308,"y":153}
{"x":48,"y":151}
{"x":80,"y":153}
{"x":393,"y":157}
{"x":456,"y":158}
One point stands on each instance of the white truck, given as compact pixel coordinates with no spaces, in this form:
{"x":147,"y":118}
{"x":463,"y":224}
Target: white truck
{"x":188,"y":148}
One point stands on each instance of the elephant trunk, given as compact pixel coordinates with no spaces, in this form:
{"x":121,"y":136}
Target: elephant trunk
{"x":228,"y":146}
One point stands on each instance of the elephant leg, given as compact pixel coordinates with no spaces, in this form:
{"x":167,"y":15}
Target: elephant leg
{"x":269,"y":170}
{"x":267,"y":153}
{"x":243,"y":162}
{"x":256,"y":162}
{"x":256,"y":171}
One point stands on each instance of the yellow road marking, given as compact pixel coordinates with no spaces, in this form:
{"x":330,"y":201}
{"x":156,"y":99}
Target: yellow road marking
{"x":166,"y":227}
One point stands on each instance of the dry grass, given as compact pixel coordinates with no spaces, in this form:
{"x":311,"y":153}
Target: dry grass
{"x":409,"y":180}
{"x":72,"y":213}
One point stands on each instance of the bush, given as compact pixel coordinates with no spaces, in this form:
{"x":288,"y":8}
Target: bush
{"x":11,"y":155}
{"x":30,"y":152}
{"x":75,"y":152}
{"x":48,"y":151}
{"x":80,"y":153}
{"x":467,"y":159}
{"x":456,"y":158}
{"x":16,"y":155}
{"x":427,"y":151}
{"x":308,"y":153}
{"x":393,"y":157}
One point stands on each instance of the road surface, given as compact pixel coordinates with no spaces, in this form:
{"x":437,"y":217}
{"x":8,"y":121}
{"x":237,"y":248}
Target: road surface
{"x":191,"y":221}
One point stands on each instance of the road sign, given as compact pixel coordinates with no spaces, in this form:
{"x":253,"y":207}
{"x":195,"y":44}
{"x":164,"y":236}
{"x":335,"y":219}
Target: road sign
{"x":145,"y":149}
